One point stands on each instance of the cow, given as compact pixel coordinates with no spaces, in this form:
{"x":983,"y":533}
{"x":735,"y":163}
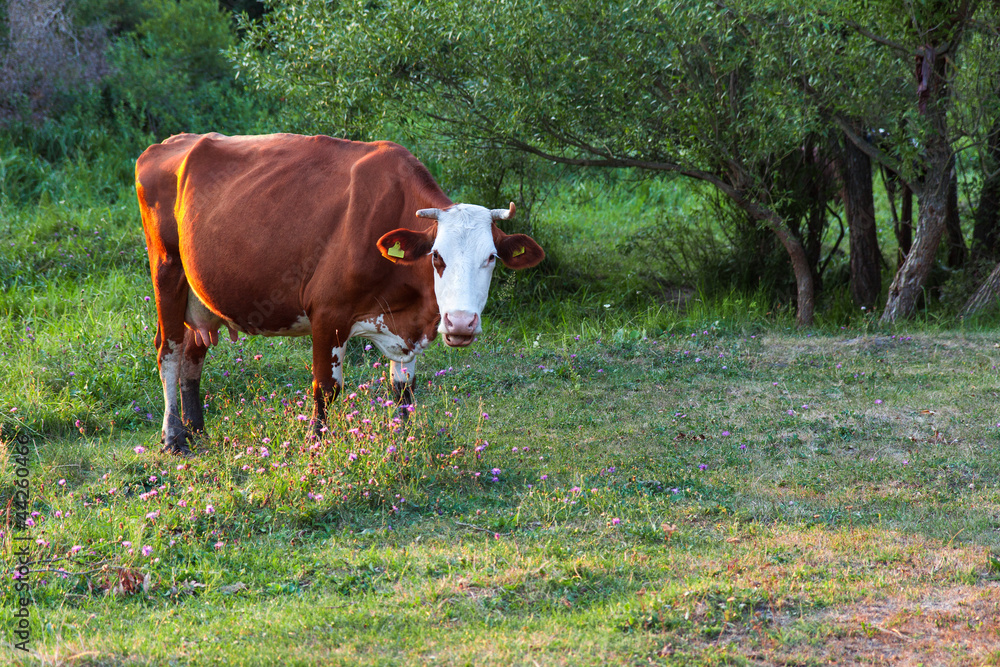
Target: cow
{"x":289,"y":235}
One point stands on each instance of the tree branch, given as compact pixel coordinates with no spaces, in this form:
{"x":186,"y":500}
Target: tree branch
{"x":884,"y":41}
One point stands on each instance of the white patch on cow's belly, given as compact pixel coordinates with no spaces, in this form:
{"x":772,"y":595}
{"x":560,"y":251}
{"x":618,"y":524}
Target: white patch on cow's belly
{"x":387,"y":342}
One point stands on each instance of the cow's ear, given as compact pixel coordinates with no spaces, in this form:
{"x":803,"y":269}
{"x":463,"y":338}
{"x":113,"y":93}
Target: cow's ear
{"x":405,"y":245}
{"x":517,"y":251}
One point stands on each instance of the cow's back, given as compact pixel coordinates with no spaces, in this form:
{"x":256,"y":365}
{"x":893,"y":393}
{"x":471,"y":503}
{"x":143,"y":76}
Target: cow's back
{"x":255,"y":220}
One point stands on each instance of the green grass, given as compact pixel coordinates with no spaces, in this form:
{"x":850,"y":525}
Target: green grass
{"x":600,"y":480}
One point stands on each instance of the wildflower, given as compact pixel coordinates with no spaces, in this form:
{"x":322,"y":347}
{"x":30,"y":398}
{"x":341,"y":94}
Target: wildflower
{"x":702,"y":466}
{"x":219,"y":544}
{"x":725,"y":434}
{"x":139,"y":450}
{"x":147,"y":550}
{"x":878,"y":401}
{"x":209,"y":509}
{"x":615,"y":521}
{"x":75,"y":548}
{"x":62,"y":482}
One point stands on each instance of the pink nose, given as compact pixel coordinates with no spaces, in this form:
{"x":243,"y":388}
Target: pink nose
{"x":461,"y":323}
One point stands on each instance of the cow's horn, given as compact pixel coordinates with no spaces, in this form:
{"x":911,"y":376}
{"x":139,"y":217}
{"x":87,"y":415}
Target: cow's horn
{"x":431,"y":213}
{"x":503,"y":214}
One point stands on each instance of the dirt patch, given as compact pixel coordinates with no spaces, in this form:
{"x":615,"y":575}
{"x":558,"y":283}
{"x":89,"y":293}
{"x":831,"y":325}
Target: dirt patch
{"x":955,"y":626}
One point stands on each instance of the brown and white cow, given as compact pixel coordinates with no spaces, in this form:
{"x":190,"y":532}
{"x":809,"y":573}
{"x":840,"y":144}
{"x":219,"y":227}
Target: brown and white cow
{"x":287,"y":235}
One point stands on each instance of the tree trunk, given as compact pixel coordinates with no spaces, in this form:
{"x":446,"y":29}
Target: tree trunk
{"x":904,"y":235}
{"x":933,"y":205}
{"x":985,"y":296}
{"x":932,"y":196}
{"x":804,"y":286}
{"x":957,"y":252}
{"x":859,"y":207}
{"x":986,"y":230}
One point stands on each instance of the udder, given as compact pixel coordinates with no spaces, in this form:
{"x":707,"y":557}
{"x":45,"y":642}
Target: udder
{"x":204,"y":323}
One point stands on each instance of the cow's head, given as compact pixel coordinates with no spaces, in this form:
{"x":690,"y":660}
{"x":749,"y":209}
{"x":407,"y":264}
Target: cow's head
{"x":463,"y":247}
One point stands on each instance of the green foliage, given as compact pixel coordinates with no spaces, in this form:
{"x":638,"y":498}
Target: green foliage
{"x":166,"y":73}
{"x":727,"y":93}
{"x":611,"y":78}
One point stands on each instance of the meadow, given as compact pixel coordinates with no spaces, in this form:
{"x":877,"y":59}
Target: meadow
{"x":608,"y":476}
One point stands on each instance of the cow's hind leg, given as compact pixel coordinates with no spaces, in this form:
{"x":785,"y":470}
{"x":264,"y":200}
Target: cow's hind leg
{"x":403,"y":382}
{"x":173,"y":433}
{"x":170,"y":286}
{"x":190,"y":380}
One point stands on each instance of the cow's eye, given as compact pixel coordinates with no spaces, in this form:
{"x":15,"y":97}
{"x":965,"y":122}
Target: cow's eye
{"x":438,"y":262}
{"x":492,"y":258}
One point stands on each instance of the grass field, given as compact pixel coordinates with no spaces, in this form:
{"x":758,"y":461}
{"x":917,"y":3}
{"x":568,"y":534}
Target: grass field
{"x":601,"y":479}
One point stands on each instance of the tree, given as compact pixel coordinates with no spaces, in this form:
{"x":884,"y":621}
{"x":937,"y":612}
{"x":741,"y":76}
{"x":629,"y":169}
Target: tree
{"x":921,"y":45}
{"x":722,"y":92}
{"x":593,"y":83}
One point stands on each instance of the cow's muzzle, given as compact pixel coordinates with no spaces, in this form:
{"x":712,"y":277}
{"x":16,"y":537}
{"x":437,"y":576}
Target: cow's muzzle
{"x":460,"y":328}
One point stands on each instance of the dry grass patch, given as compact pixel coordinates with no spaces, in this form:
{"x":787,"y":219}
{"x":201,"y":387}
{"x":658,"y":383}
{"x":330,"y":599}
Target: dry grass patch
{"x":958,"y":625}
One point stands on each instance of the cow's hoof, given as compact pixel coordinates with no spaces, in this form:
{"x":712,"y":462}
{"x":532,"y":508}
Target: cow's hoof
{"x":178,"y":447}
{"x":177,"y":450}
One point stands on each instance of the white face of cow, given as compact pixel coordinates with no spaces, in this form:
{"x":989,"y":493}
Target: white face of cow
{"x":463,"y":256}
{"x":463,"y":251}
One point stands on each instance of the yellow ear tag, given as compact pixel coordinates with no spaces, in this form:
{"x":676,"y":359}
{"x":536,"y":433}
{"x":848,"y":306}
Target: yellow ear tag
{"x":519,"y":251}
{"x":396,"y":251}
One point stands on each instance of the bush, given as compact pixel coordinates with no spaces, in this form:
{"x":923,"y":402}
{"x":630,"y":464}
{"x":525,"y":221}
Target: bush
{"x":44,"y":55}
{"x":158,"y":69}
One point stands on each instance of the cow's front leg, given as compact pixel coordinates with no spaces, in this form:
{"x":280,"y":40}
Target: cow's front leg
{"x":328,"y":378}
{"x":403,"y":381}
